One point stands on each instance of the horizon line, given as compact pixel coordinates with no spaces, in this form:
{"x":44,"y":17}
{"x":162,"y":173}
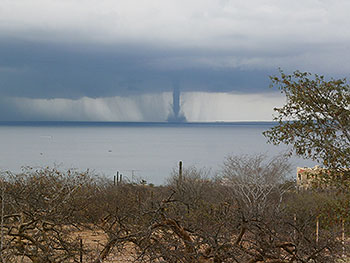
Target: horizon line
{"x":58,"y":122}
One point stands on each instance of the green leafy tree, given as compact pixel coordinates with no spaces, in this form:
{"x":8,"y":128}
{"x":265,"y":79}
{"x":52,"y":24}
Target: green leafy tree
{"x":315,"y":120}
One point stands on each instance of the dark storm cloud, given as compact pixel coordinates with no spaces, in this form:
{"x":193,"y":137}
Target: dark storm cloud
{"x":48,"y":71}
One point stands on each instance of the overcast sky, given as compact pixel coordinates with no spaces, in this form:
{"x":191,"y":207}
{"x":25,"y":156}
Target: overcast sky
{"x":105,"y":52}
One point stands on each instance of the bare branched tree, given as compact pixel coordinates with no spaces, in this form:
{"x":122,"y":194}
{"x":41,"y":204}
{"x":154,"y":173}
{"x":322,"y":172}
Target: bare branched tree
{"x":255,"y":181}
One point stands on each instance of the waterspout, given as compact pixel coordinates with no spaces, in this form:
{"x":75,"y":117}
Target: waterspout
{"x":176,"y":115}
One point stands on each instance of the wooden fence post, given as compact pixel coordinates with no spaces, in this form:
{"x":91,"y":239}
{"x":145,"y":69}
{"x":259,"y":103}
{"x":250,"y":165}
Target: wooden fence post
{"x":343,"y":236}
{"x":81,"y":250}
{"x":180,"y":171}
{"x":317,"y":228}
{"x":295,"y":226}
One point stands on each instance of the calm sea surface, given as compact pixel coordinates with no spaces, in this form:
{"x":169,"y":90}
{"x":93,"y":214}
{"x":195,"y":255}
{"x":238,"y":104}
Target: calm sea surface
{"x":140,"y":150}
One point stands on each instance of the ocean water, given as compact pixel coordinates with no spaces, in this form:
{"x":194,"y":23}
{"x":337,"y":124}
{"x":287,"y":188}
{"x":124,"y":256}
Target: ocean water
{"x":137,"y":150}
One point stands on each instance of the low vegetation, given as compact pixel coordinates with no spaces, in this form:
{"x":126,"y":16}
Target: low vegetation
{"x":248,"y":213}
